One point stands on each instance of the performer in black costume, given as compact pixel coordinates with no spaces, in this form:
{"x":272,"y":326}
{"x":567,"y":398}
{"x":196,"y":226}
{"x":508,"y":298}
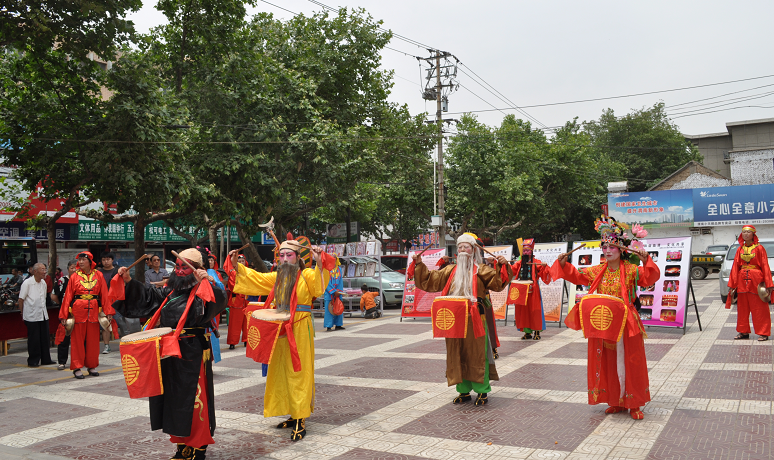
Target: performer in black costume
{"x":178,"y":412}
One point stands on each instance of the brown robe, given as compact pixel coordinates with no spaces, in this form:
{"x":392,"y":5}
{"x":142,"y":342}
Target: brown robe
{"x":465,"y":358}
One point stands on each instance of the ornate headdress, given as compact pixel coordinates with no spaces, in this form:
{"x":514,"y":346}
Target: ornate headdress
{"x":612,"y":231}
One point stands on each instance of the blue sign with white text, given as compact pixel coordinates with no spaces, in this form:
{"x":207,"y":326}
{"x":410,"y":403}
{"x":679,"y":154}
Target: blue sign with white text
{"x":744,"y":204}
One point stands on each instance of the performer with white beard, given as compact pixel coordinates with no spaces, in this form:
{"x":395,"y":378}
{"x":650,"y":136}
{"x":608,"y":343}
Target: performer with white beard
{"x":469,"y":361}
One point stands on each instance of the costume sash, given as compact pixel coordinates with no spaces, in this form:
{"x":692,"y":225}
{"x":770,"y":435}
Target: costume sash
{"x":478,"y":325}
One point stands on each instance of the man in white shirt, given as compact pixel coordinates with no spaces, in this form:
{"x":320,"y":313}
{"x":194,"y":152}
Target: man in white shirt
{"x":32,"y":304}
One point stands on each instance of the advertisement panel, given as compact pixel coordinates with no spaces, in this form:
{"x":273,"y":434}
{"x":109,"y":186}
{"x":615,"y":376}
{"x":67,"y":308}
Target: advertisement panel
{"x":498,"y":299}
{"x":552,"y":292}
{"x":655,"y":209}
{"x":664,"y":303}
{"x":417,"y":303}
{"x":744,"y":204}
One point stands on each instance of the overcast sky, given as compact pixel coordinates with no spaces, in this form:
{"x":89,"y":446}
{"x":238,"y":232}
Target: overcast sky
{"x":548,"y":52}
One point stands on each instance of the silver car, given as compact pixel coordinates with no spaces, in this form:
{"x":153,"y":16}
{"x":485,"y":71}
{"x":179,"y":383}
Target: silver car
{"x":728,"y":262}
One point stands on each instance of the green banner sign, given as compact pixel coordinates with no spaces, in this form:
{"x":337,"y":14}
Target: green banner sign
{"x":155,"y":231}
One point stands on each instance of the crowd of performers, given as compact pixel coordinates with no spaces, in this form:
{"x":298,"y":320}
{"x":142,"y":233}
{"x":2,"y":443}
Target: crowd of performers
{"x":197,"y":292}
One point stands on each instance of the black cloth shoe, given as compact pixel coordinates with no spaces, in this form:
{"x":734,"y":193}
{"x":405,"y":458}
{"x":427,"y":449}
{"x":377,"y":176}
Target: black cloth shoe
{"x":289,"y":423}
{"x":299,"y":431}
{"x":199,"y":453}
{"x":245,"y":344}
{"x":328,"y":329}
{"x":527,"y":337}
{"x":93,"y":373}
{"x":536,"y":336}
{"x":183,"y":452}
{"x":495,"y":353}
{"x":481,"y":400}
{"x":33,"y":365}
{"x":741,"y":336}
{"x":231,"y":347}
{"x":339,"y":328}
{"x":78,"y":374}
{"x":463,"y":397}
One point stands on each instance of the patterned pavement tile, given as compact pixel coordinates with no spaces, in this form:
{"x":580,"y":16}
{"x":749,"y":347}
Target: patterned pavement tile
{"x":348,"y":342}
{"x":438,"y":346}
{"x":417,"y":370}
{"x":247,"y":401}
{"x":120,"y":440}
{"x":367,"y":454}
{"x":510,"y":422}
{"x":547,"y":377}
{"x":697,"y":434}
{"x":737,"y":354}
{"x":26,"y":413}
{"x":339,"y":404}
{"x":571,"y":350}
{"x":656,"y":351}
{"x":243,"y":362}
{"x":40,"y":374}
{"x":407,"y":327}
{"x":716,"y":384}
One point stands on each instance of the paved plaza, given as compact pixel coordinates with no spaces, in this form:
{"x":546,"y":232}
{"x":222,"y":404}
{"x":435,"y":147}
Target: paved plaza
{"x":382,"y":394}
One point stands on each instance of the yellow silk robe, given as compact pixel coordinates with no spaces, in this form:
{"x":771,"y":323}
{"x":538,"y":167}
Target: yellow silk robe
{"x":288,"y":392}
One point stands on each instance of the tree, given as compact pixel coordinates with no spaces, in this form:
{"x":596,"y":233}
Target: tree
{"x":50,"y":101}
{"x":649,"y":145}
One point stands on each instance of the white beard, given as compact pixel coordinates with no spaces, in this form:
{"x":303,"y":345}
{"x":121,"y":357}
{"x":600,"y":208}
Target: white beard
{"x":462,"y":284}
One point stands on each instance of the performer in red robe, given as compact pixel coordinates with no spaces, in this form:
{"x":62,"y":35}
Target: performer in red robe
{"x":86,"y":296}
{"x":751,"y":268}
{"x":237,"y":304}
{"x":617,"y":371}
{"x":530,"y":318}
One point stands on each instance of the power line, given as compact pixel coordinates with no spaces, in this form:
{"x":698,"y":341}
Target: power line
{"x":503,"y":98}
{"x":614,"y":97}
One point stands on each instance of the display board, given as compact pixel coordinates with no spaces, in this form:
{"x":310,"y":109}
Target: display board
{"x":552,"y":292}
{"x":664,"y":303}
{"x":417,"y":303}
{"x":498,"y":299}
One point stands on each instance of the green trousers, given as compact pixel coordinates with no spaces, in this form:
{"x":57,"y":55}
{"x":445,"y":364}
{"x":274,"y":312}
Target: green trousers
{"x":466,"y":385}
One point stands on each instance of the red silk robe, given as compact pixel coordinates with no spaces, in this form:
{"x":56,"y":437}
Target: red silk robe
{"x":237,"y":323}
{"x":531,"y":315}
{"x":746,"y":275}
{"x":604,"y":379}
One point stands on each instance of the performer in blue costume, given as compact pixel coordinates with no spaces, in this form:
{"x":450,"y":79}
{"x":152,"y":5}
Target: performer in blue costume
{"x":335,"y":287}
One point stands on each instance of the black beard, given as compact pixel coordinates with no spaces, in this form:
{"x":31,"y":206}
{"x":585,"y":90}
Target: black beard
{"x":179,"y":283}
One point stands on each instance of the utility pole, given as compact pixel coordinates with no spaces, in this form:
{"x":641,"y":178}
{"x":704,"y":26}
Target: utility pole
{"x":439,"y":121}
{"x":445,"y":76}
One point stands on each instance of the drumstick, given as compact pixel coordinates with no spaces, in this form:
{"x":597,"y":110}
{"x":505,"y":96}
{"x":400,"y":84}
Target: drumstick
{"x":623,"y":248}
{"x":184,"y":261}
{"x":484,"y":249}
{"x":581,"y":246}
{"x":144,"y":256}
{"x":243,"y":247}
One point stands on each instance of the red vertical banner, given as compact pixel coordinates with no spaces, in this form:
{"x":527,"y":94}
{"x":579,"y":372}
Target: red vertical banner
{"x":417,"y":303}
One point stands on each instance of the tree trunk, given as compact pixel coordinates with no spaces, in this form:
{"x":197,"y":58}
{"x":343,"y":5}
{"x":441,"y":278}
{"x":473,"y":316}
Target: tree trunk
{"x":255,"y":258}
{"x":139,"y":245}
{"x":51,"y":228}
{"x":212,"y":234}
{"x":348,"y":224}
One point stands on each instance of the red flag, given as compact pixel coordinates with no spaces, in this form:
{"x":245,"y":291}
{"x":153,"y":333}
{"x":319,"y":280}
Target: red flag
{"x":261,"y":339}
{"x":602,"y":316}
{"x":518,"y":293}
{"x":141,"y":362}
{"x":450,"y":317}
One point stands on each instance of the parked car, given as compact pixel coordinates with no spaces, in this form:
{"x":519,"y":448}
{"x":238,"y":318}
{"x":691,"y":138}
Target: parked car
{"x":397,"y":262}
{"x":391,"y":287}
{"x":725,"y":271}
{"x":716,"y":250}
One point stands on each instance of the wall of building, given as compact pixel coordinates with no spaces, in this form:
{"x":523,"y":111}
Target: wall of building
{"x":752,"y":167}
{"x":752,"y":135}
{"x":714,"y":149}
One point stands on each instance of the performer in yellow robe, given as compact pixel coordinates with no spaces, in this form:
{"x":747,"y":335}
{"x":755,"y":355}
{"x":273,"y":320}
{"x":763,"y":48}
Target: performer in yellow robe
{"x":287,"y":391}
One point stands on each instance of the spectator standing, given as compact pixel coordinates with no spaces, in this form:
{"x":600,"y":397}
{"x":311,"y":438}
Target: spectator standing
{"x":368,"y":304}
{"x":155,"y":275}
{"x":108,"y":271}
{"x":63,"y":348}
{"x":32,"y":304}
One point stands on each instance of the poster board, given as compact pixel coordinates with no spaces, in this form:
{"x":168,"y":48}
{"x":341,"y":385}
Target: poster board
{"x":498,"y":299}
{"x":553,"y":292}
{"x":663,"y":304}
{"x":417,"y":303}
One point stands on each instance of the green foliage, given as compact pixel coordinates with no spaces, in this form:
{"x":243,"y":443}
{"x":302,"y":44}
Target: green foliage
{"x":649,"y":145}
